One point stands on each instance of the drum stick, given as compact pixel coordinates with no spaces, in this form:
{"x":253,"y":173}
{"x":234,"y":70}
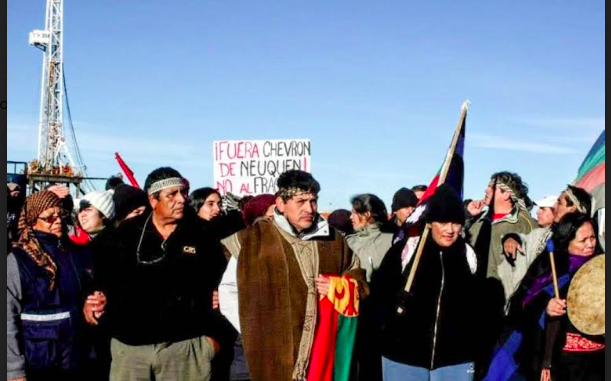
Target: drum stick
{"x":551,"y":249}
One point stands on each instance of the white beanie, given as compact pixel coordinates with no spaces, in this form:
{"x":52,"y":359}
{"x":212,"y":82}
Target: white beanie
{"x":102,"y":201}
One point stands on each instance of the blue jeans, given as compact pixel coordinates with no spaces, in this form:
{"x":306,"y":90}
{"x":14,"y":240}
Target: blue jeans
{"x":400,"y":372}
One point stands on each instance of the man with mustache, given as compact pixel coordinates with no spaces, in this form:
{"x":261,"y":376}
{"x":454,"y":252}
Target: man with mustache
{"x":281,"y":271}
{"x":159,"y":272}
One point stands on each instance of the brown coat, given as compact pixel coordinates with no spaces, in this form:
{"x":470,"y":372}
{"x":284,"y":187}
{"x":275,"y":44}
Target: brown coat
{"x":273,"y":295}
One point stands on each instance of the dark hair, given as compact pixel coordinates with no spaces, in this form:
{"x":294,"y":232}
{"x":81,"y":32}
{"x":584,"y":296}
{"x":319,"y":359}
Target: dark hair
{"x":517,"y":185}
{"x":420,"y":188}
{"x":585,"y":199}
{"x":564,"y":233}
{"x":159,"y":175}
{"x":369,"y":203}
{"x":299,"y":180}
{"x":198,"y":198}
{"x":244,"y":201}
{"x":68,"y":206}
{"x":257,"y":207}
{"x":340,"y":221}
{"x":114,"y":182}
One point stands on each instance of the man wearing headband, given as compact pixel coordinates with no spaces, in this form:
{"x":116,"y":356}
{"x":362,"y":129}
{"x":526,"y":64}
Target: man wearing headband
{"x":523,"y":249}
{"x":159,"y":272}
{"x":279,"y":280}
{"x":507,"y":211}
{"x":573,"y":200}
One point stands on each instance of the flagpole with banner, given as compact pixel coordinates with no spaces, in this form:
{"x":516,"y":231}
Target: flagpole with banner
{"x":442,"y":179}
{"x":128,"y":172}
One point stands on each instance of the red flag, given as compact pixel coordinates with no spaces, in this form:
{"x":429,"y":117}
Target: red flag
{"x":128,"y":172}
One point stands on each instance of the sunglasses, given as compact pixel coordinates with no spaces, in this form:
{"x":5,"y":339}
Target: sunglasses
{"x":50,"y":219}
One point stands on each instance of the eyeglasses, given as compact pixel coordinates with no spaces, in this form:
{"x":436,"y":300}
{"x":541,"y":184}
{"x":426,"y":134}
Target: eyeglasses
{"x":50,"y":219}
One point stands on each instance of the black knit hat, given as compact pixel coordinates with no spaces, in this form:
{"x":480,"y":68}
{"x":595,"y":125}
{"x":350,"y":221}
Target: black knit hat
{"x":114,"y":182}
{"x":445,"y":206}
{"x":404,"y":198}
{"x":127,"y":199}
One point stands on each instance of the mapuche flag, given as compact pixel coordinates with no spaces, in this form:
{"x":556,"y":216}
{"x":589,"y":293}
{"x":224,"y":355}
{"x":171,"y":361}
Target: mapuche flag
{"x":452,"y":171}
{"x":336,"y":332}
{"x":592,"y":172}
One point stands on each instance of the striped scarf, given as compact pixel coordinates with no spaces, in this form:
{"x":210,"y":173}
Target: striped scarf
{"x":34,"y":206}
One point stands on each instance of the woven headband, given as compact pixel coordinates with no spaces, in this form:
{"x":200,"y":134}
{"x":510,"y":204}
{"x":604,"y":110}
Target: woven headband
{"x":580,"y":208}
{"x":289,"y":193}
{"x":165,"y":184}
{"x":518,"y":201}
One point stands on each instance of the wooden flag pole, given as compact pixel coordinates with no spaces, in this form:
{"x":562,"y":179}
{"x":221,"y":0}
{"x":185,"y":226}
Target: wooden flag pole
{"x":442,"y":179}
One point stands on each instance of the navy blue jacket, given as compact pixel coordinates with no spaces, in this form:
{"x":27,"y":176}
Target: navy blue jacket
{"x":49,"y":321}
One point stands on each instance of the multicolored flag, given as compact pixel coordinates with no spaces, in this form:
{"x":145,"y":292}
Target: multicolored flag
{"x":452,"y":171}
{"x":592,"y":172}
{"x":592,"y":177}
{"x":336,"y":332}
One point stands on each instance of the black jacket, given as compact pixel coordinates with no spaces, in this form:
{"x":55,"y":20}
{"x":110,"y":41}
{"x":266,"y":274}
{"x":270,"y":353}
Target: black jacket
{"x":440,"y":325}
{"x":226,"y":225}
{"x":160,"y":292}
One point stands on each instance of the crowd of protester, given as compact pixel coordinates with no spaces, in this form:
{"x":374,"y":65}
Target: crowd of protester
{"x":168,"y":284}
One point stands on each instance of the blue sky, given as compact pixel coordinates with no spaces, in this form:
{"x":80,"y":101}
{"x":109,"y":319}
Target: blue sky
{"x":376,"y":85}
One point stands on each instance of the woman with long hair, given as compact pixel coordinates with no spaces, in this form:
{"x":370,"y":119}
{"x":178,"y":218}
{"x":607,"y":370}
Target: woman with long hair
{"x":374,"y":231}
{"x":371,"y":241}
{"x":207,"y":203}
{"x":551,"y":347}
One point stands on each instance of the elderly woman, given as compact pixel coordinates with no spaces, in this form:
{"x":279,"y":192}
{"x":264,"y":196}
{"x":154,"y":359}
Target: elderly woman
{"x":44,"y":296}
{"x":568,"y":354}
{"x":432,"y":332}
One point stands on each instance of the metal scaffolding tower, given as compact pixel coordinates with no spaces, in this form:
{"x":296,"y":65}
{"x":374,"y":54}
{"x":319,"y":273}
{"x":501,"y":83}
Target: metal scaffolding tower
{"x":52,"y":150}
{"x":55,"y":159}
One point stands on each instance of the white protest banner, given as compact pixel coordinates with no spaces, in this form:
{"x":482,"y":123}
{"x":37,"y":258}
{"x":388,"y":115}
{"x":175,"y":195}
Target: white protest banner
{"x":252,"y":167}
